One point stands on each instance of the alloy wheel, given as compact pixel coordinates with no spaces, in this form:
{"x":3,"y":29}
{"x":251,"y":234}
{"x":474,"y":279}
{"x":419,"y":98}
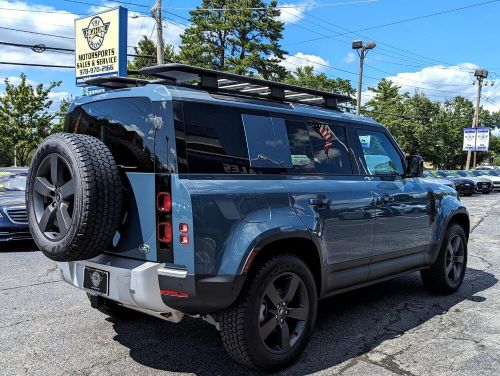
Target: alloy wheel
{"x":455,"y":257}
{"x":284,"y":310}
{"x":53,"y":197}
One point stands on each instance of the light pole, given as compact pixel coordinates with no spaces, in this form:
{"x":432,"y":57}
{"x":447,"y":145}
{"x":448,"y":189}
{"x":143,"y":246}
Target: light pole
{"x":362,"y":51}
{"x":156,"y":14}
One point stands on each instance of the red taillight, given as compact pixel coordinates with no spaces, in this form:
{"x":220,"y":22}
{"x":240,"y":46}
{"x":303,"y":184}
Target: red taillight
{"x":179,"y":294}
{"x":165,"y":232}
{"x":183,"y":228}
{"x":164,"y":202}
{"x":184,"y":239}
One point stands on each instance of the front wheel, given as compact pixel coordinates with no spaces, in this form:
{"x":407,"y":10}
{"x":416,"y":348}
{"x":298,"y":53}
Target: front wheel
{"x":271,"y":323}
{"x":447,"y":273}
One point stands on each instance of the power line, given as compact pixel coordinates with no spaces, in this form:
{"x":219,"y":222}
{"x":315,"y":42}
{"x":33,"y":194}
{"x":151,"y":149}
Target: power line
{"x":37,"y":65}
{"x":36,"y":32}
{"x":409,"y":19}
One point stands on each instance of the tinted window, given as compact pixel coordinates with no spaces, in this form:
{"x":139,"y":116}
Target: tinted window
{"x":300,"y":146}
{"x":329,"y":147}
{"x":125,"y":125}
{"x":267,"y":142}
{"x":215,"y":139}
{"x":13,"y":182}
{"x":381,"y":157}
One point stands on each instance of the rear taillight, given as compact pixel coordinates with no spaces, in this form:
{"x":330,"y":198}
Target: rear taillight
{"x":164,"y":202}
{"x":165,"y":232}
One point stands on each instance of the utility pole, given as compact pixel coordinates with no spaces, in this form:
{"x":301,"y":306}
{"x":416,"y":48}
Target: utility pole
{"x":362,"y":52}
{"x":156,"y":14}
{"x":480,"y":75}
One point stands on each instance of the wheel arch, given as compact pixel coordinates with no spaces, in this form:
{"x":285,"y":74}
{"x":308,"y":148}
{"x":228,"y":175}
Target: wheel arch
{"x":299,"y":244}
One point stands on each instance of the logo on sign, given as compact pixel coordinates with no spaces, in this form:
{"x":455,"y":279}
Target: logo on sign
{"x":95,"y":32}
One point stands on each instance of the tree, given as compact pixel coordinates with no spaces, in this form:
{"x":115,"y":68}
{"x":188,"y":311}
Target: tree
{"x":240,"y":36}
{"x":305,"y":77}
{"x":146,"y":51}
{"x":24,"y":118}
{"x":61,"y":115}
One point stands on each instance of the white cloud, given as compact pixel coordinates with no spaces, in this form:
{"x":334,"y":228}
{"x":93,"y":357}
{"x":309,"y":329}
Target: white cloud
{"x":61,"y":23}
{"x":446,"y":82}
{"x":292,"y":13}
{"x":301,"y":60}
{"x":349,"y":58}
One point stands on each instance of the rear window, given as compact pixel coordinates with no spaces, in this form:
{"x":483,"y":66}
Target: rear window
{"x":125,"y":125}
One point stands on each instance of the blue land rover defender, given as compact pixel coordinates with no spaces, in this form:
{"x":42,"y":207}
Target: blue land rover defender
{"x":237,"y":200}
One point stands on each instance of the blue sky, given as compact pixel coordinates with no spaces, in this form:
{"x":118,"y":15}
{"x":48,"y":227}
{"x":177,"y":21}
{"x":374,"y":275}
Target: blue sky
{"x":434,"y":55}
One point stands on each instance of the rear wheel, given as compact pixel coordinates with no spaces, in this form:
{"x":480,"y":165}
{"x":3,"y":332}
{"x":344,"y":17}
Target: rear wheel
{"x":271,"y":323}
{"x":447,"y":273}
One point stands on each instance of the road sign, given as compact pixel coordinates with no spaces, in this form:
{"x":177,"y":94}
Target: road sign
{"x":476,"y":139}
{"x":101,"y":45}
{"x":469,"y":139}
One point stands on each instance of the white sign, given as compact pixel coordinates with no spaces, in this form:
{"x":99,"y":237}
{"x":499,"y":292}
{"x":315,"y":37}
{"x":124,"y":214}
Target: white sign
{"x":483,"y":139}
{"x":469,"y":139}
{"x":101,"y":45}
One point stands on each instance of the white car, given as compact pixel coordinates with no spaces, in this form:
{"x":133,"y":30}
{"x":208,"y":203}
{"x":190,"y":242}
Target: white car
{"x":493,"y":175}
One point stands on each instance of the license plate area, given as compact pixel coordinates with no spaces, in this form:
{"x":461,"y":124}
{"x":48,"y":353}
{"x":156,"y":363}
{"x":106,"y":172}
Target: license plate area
{"x":96,"y":280}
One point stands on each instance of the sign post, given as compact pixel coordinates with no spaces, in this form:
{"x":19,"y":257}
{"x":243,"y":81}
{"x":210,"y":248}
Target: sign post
{"x":101,"y":45}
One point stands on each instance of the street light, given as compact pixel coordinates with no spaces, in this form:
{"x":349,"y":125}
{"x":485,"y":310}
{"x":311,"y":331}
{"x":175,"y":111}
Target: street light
{"x":362,"y":52}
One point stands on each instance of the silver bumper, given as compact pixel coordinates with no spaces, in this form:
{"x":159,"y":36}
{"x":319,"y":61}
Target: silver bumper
{"x":133,"y":283}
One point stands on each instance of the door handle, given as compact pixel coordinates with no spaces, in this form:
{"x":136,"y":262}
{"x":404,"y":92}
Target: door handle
{"x":319,"y":201}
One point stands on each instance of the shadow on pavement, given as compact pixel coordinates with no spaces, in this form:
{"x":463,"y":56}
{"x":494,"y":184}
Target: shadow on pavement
{"x":348,"y":325}
{"x":18,"y":246}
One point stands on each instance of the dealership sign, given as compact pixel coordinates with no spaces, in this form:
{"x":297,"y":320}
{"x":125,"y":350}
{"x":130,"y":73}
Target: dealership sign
{"x":476,"y":139}
{"x":101,"y":45}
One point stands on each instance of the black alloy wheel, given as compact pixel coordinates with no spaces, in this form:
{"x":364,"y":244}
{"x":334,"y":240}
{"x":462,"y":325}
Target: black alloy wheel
{"x":448,"y":271}
{"x":455,"y":257}
{"x":283,"y":312}
{"x":53,"y":197}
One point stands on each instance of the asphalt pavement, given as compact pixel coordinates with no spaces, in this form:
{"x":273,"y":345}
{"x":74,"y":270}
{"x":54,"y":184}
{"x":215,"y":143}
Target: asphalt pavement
{"x":48,"y":328}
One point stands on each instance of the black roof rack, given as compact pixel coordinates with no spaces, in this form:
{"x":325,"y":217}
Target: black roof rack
{"x":236,"y":84}
{"x":114,"y":82}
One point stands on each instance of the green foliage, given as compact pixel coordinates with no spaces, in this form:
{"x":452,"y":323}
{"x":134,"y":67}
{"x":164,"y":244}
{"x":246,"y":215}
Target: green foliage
{"x":146,"y":51}
{"x":305,"y":76}
{"x":24,"y":119}
{"x":428,"y":128}
{"x":240,"y":41}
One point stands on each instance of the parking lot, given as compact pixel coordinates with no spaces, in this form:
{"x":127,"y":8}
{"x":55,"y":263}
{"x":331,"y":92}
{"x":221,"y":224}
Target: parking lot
{"x":397,"y":327}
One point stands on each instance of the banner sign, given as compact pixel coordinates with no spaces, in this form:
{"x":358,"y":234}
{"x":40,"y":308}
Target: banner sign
{"x":101,"y":45}
{"x":469,"y":139}
{"x":483,"y":139}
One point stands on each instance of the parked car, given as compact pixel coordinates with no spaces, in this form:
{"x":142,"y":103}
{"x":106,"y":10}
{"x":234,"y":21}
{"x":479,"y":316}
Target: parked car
{"x":13,"y":219}
{"x":464,"y":186}
{"x":223,"y":200}
{"x":433,"y":179}
{"x":493,"y":175}
{"x":483,"y":184}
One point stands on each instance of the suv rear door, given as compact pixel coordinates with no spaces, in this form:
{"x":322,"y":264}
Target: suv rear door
{"x":336,"y":206}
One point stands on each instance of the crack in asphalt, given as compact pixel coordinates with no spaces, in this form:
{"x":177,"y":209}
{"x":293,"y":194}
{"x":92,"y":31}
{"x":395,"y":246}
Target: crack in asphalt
{"x":33,"y":284}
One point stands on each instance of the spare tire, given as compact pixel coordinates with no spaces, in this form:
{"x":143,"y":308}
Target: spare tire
{"x":74,"y":197}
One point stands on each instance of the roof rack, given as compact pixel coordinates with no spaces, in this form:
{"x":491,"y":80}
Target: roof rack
{"x":231,"y":83}
{"x":114,"y":82}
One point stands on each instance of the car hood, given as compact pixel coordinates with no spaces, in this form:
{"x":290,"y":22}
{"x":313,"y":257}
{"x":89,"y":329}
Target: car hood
{"x":479,"y":179}
{"x":440,"y":181}
{"x":492,"y":178}
{"x":8,"y":199}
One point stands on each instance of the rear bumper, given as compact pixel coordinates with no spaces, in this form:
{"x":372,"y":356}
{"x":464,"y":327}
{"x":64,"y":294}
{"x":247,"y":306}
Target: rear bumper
{"x":156,"y":288}
{"x":133,"y":283}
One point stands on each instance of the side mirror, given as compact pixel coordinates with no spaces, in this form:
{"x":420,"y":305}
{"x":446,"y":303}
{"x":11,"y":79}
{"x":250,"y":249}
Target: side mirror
{"x":414,"y":166}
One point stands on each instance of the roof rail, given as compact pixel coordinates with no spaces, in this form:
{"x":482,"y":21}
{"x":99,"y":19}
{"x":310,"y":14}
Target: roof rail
{"x":116,"y":82}
{"x":231,"y":83}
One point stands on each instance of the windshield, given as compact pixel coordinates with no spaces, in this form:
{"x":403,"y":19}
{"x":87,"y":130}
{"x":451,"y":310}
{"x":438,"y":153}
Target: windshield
{"x":13,"y":182}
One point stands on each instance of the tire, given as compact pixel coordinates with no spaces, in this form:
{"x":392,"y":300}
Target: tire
{"x":446,"y":275}
{"x":117,"y":311}
{"x":240,"y":325}
{"x":74,"y":197}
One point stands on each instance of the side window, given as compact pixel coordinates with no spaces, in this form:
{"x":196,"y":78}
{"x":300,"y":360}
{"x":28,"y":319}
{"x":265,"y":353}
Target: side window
{"x":125,"y":125}
{"x":215,"y":139}
{"x":300,"y":146}
{"x":329,"y":147}
{"x":267,"y":142}
{"x":381,"y":157}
